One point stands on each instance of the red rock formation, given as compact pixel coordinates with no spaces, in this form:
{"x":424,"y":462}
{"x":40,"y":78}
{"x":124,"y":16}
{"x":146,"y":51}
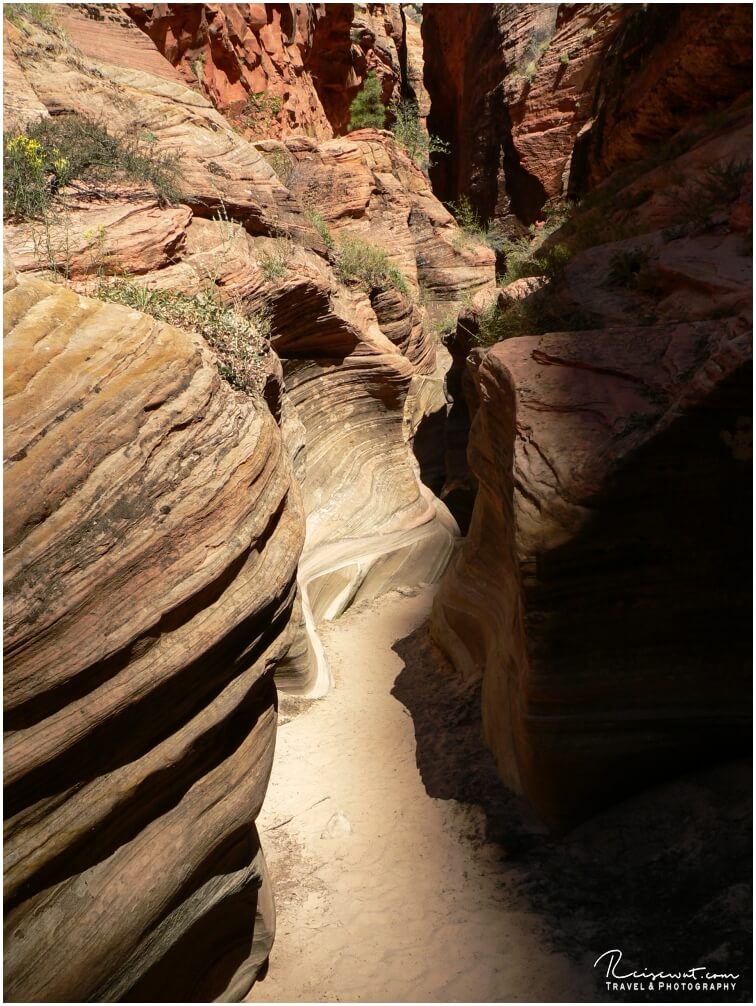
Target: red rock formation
{"x":250,"y":59}
{"x":153,"y":526}
{"x":605,"y":545}
{"x":666,"y":66}
{"x":537,"y":102}
{"x":278,"y":69}
{"x":605,"y":541}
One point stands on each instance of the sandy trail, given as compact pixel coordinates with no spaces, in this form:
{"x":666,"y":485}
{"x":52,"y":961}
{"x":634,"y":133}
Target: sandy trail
{"x":413,"y":904}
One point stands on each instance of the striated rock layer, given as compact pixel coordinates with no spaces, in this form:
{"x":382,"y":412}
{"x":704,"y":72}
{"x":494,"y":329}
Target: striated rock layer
{"x":278,"y":69}
{"x":361,"y":369}
{"x":152,"y":528}
{"x":603,"y":593}
{"x":542,"y":101}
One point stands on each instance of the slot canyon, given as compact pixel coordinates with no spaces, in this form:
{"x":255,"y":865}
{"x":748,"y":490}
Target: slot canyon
{"x":377,"y":453}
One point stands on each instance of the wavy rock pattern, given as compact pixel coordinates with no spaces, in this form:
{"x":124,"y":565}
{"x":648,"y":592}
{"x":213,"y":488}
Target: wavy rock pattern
{"x":152,"y":528}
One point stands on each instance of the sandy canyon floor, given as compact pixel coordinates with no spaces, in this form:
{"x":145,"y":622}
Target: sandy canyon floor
{"x":385,"y":892}
{"x":404,"y":871}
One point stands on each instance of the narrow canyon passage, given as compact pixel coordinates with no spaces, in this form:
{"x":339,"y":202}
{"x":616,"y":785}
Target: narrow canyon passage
{"x":412,"y":904}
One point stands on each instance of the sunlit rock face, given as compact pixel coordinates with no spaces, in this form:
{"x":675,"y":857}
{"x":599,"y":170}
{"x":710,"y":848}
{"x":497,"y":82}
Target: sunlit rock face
{"x":152,"y":528}
{"x":281,"y":69}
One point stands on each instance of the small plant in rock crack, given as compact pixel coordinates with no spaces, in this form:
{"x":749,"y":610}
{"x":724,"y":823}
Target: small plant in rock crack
{"x":472,"y":226}
{"x":367,"y":265}
{"x":240,"y":340}
{"x":318,"y":222}
{"x":627,"y":267}
{"x":282,"y":163}
{"x":718,"y":189}
{"x":260,"y":111}
{"x":421,"y":146}
{"x":40,"y":14}
{"x":274,"y":260}
{"x":531,"y":315}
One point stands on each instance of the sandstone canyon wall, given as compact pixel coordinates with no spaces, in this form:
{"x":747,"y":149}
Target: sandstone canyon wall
{"x":540,"y":101}
{"x":171,"y":542}
{"x":279,"y":69}
{"x":152,"y":527}
{"x":601,"y":599}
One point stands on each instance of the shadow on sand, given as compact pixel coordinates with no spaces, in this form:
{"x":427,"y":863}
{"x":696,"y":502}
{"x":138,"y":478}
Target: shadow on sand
{"x":665,"y":876}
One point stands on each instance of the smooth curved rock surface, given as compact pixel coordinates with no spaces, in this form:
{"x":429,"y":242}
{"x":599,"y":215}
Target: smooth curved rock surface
{"x":152,"y":529}
{"x":604,"y":567}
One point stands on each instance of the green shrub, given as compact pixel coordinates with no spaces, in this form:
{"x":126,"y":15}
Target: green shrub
{"x":532,"y":315}
{"x":410,"y":134}
{"x":197,"y":66}
{"x":274,"y":262}
{"x":240,"y":342}
{"x":367,"y":109}
{"x":260,"y":110}
{"x":564,"y":58}
{"x":718,"y":189}
{"x":524,"y":258}
{"x":446,"y":324}
{"x":321,"y":227}
{"x":282,"y":163}
{"x":473,"y":227}
{"x":367,"y":265}
{"x":626,"y":267}
{"x":36,"y":13}
{"x":56,"y":151}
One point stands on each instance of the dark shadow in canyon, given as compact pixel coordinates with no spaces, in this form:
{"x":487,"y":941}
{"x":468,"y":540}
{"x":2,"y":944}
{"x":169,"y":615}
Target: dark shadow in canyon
{"x":665,"y":875}
{"x":653,"y":591}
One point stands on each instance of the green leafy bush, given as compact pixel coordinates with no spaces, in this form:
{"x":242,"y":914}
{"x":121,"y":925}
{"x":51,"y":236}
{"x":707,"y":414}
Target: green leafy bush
{"x":360,"y":262}
{"x":532,"y":315}
{"x":56,"y":151}
{"x":282,"y":163}
{"x":260,"y":110}
{"x":36,"y":13}
{"x":409,"y":133}
{"x":240,"y":342}
{"x":717,"y":189}
{"x":472,"y":226}
{"x":367,"y":109}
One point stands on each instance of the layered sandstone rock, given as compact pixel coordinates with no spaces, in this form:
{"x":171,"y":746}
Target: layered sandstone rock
{"x":511,"y":86}
{"x":279,"y":69}
{"x":152,"y":528}
{"x":250,"y":59}
{"x":613,"y":467}
{"x":541,"y":102}
{"x":413,"y":61}
{"x":606,"y":536}
{"x":360,"y":365}
{"x":666,"y":66}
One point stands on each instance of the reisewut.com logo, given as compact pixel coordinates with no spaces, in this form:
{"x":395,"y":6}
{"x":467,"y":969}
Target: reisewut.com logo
{"x":698,"y":979}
